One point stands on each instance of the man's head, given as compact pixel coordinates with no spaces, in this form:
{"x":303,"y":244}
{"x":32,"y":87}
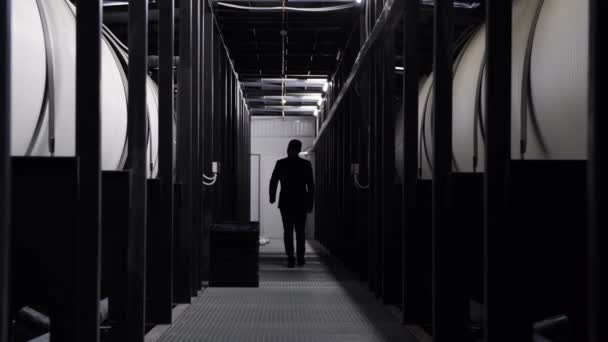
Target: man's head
{"x":294,"y":148}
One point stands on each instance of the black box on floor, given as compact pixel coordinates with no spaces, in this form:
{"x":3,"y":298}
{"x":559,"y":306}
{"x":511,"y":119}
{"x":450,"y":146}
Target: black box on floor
{"x":234,"y":254}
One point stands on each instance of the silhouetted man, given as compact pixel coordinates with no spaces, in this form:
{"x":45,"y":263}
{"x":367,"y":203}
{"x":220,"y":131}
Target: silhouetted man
{"x":296,"y":198}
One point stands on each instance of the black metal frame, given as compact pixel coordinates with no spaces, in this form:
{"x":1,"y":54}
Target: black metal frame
{"x":137,"y":135}
{"x":166,"y":32}
{"x":208,"y":117}
{"x":196,"y":175}
{"x":502,"y":322}
{"x":183,"y":255}
{"x":88,"y":150}
{"x":450,"y":308}
{"x":596,"y":184}
{"x":410,"y":239}
{"x":50,"y":277}
{"x":116,"y":214}
{"x":5,"y":165}
{"x":390,"y":254}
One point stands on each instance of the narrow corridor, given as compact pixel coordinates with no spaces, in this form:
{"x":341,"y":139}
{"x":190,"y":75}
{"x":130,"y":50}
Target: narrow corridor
{"x":318,"y":302}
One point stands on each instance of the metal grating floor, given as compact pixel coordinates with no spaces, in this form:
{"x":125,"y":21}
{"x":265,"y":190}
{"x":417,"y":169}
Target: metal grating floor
{"x":317,"y":302}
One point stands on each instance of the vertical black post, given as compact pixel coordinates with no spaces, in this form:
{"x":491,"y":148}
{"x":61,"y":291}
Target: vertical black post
{"x":411,"y":303}
{"x":203,"y":61}
{"x":5,"y":159}
{"x":390,"y":261}
{"x":450,"y":308}
{"x":597,"y":185}
{"x":196,"y":173}
{"x":207,"y":123}
{"x":184,"y":153}
{"x":166,"y":31}
{"x":138,"y":124}
{"x":503,"y":322}
{"x":88,"y":150}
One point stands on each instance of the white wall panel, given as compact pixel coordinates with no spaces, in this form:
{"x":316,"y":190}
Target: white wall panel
{"x":269,"y":139}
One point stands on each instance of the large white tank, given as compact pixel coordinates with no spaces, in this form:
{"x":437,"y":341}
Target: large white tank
{"x":44,"y":81}
{"x":554,"y":55}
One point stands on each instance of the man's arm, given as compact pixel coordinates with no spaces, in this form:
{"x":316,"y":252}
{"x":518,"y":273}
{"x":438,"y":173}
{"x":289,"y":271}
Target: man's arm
{"x":274,"y":182}
{"x":310,"y":186}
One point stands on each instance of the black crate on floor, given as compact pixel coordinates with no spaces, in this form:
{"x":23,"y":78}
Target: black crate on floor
{"x":234,"y":254}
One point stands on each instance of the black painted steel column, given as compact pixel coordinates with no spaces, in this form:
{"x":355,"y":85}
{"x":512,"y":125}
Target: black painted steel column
{"x":597,"y":184}
{"x":88,"y":150}
{"x":196,"y":173}
{"x":184,"y":155}
{"x":503,"y":322}
{"x":202,"y":153}
{"x":138,"y":124}
{"x":207,"y":135}
{"x":5,"y":167}
{"x":450,"y":307}
{"x":390,"y":258}
{"x":411,"y":302}
{"x":166,"y":33}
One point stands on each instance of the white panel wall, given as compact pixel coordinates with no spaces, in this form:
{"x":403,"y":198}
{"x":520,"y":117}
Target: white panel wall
{"x":269,"y":139}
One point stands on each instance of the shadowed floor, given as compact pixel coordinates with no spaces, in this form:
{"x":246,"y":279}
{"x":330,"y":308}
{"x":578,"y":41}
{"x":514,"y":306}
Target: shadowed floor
{"x":318,"y":302}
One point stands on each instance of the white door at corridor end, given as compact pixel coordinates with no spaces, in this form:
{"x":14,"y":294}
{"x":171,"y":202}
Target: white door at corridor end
{"x":269,"y":139}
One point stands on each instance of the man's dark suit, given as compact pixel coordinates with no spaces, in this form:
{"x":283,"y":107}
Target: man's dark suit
{"x":295,"y":200}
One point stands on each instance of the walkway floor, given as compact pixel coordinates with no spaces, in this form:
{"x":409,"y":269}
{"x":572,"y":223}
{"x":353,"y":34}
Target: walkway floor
{"x":318,"y":302}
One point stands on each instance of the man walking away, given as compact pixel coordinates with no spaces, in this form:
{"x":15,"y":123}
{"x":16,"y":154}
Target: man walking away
{"x":296,"y":198}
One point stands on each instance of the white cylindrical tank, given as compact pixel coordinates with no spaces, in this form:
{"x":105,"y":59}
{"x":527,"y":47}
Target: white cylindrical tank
{"x":556,"y":57}
{"x":44,"y":81}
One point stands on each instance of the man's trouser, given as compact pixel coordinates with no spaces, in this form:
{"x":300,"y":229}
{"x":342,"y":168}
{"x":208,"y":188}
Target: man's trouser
{"x":294,"y":220}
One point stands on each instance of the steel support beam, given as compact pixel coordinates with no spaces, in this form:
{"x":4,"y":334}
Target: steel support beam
{"x":597,"y":183}
{"x":196,"y":172}
{"x":389,"y":256}
{"x":184,"y":155}
{"x":88,"y":150}
{"x":387,"y":21}
{"x":504,"y":319}
{"x":138,"y":129}
{"x":411,"y":50}
{"x":166,"y":32}
{"x":207,"y":131}
{"x":5,"y":166}
{"x":450,"y":307}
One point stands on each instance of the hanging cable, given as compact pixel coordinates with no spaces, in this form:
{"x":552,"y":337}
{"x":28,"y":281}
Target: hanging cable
{"x":527,"y":101}
{"x":212,"y":180}
{"x":477,"y":113}
{"x":362,"y":187}
{"x":355,"y":172}
{"x":50,"y":79}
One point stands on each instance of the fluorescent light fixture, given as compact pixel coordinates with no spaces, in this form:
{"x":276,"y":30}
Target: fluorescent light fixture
{"x":311,"y":80}
{"x":358,"y":1}
{"x":316,"y":112}
{"x":325,"y":87}
{"x":399,"y":68}
{"x":317,"y":96}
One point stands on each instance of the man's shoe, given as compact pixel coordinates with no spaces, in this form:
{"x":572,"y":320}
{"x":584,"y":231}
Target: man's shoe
{"x":291,"y":263}
{"x":301,"y":262}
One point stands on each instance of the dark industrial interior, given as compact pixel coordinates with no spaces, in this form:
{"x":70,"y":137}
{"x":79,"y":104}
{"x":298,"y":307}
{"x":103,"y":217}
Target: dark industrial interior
{"x":456,"y":148}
